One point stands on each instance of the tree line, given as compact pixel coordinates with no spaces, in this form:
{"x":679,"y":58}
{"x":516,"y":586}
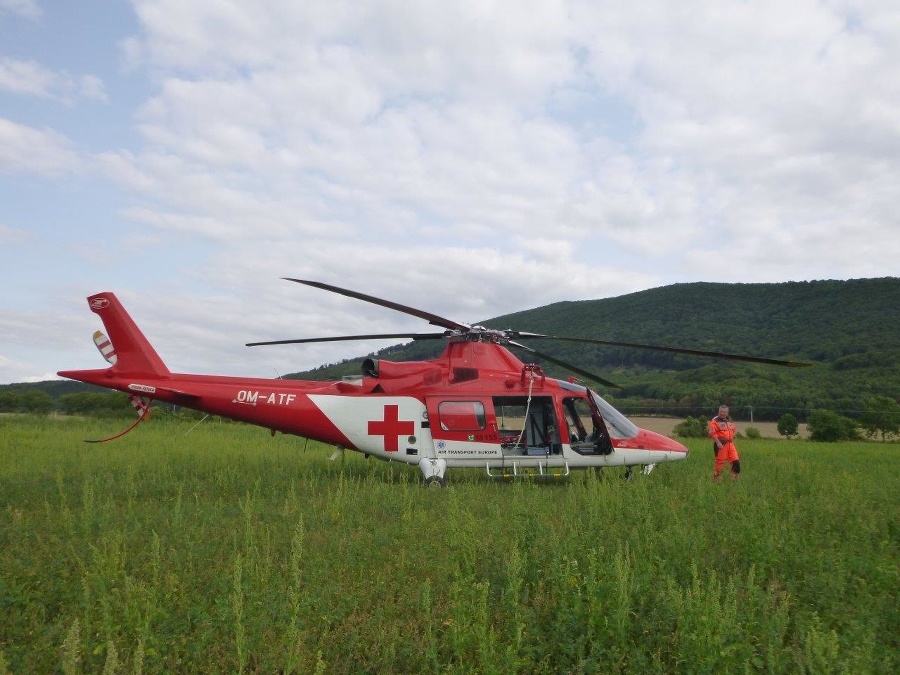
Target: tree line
{"x":99,"y":404}
{"x":879,"y":420}
{"x":86,"y":403}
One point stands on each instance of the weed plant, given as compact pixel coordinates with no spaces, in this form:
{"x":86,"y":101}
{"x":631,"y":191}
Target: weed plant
{"x":220,"y":548}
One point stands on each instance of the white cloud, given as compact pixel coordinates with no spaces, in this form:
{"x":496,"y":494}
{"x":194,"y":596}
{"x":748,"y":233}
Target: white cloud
{"x":206,"y":333}
{"x":24,"y":149}
{"x":24,"y":77}
{"x":498,"y":49}
{"x":51,"y":375}
{"x":28,"y":9}
{"x":304,"y":128}
{"x":32,"y":79}
{"x":91,"y":87}
{"x":14,"y":370}
{"x":11,"y":235}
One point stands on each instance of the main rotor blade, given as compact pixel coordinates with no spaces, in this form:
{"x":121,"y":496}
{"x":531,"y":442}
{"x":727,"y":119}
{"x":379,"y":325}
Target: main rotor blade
{"x":342,"y":338}
{"x":433,"y":319}
{"x":680,"y":350}
{"x":567,"y":366}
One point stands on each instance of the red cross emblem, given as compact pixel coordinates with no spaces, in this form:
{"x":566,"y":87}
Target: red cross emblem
{"x":391,"y":427}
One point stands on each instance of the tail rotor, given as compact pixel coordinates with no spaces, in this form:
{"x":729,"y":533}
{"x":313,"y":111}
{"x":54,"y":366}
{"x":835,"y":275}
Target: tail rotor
{"x":140,"y":404}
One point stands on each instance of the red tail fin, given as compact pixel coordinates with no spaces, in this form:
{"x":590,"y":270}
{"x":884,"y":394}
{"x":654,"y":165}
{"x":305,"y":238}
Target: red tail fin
{"x":135,"y":355}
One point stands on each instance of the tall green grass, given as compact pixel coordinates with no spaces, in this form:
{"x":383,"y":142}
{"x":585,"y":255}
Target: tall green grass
{"x":223,"y":549}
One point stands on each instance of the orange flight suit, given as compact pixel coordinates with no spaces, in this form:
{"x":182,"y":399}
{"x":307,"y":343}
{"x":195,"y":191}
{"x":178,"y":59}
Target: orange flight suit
{"x":724,"y":431}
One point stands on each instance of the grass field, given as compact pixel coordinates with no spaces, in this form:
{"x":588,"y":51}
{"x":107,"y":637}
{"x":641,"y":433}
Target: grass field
{"x":224,"y":550}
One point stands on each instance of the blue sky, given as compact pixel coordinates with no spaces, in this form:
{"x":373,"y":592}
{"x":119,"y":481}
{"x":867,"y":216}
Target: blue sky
{"x":470,"y":159}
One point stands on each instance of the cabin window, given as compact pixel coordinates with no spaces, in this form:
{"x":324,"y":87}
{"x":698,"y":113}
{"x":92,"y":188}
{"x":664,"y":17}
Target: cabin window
{"x":462,"y":415}
{"x":527,"y":426}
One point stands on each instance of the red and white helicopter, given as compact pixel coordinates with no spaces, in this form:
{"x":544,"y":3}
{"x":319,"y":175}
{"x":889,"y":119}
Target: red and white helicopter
{"x":476,"y":405}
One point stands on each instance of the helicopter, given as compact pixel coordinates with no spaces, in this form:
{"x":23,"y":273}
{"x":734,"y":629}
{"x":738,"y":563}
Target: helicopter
{"x":476,"y":405}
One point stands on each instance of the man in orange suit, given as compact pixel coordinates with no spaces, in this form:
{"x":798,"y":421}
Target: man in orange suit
{"x":722,"y":431}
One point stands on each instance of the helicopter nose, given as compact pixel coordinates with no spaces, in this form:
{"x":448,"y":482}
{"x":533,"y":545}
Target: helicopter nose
{"x":659,"y":443}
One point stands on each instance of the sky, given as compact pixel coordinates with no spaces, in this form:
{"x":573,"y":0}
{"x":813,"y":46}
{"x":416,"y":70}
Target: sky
{"x":470,"y":159}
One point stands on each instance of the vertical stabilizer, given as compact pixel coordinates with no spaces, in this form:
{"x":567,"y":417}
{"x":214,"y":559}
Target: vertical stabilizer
{"x":133,"y":353}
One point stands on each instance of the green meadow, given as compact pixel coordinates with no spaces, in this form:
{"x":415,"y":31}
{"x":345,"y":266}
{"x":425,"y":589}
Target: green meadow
{"x":222,"y":549}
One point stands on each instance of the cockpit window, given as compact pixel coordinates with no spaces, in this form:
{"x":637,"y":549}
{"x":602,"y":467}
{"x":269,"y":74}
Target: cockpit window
{"x":618,"y":425}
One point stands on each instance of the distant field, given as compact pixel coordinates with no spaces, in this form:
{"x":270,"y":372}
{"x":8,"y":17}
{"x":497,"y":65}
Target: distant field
{"x":665,"y":425}
{"x":220,"y":549}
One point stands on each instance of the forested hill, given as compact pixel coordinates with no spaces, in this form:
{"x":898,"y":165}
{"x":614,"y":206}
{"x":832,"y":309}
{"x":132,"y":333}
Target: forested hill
{"x":849,"y":330}
{"x":817,"y":320}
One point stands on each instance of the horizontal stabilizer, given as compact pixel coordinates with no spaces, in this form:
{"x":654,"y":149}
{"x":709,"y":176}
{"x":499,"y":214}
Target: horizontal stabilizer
{"x":180,"y":394}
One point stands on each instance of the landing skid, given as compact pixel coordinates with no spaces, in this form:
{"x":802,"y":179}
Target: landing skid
{"x":514,"y":471}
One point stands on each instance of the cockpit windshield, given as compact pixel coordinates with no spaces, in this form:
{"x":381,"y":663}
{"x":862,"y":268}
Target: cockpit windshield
{"x":618,"y":425}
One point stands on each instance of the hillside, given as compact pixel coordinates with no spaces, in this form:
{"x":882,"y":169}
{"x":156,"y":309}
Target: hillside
{"x":849,"y":330}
